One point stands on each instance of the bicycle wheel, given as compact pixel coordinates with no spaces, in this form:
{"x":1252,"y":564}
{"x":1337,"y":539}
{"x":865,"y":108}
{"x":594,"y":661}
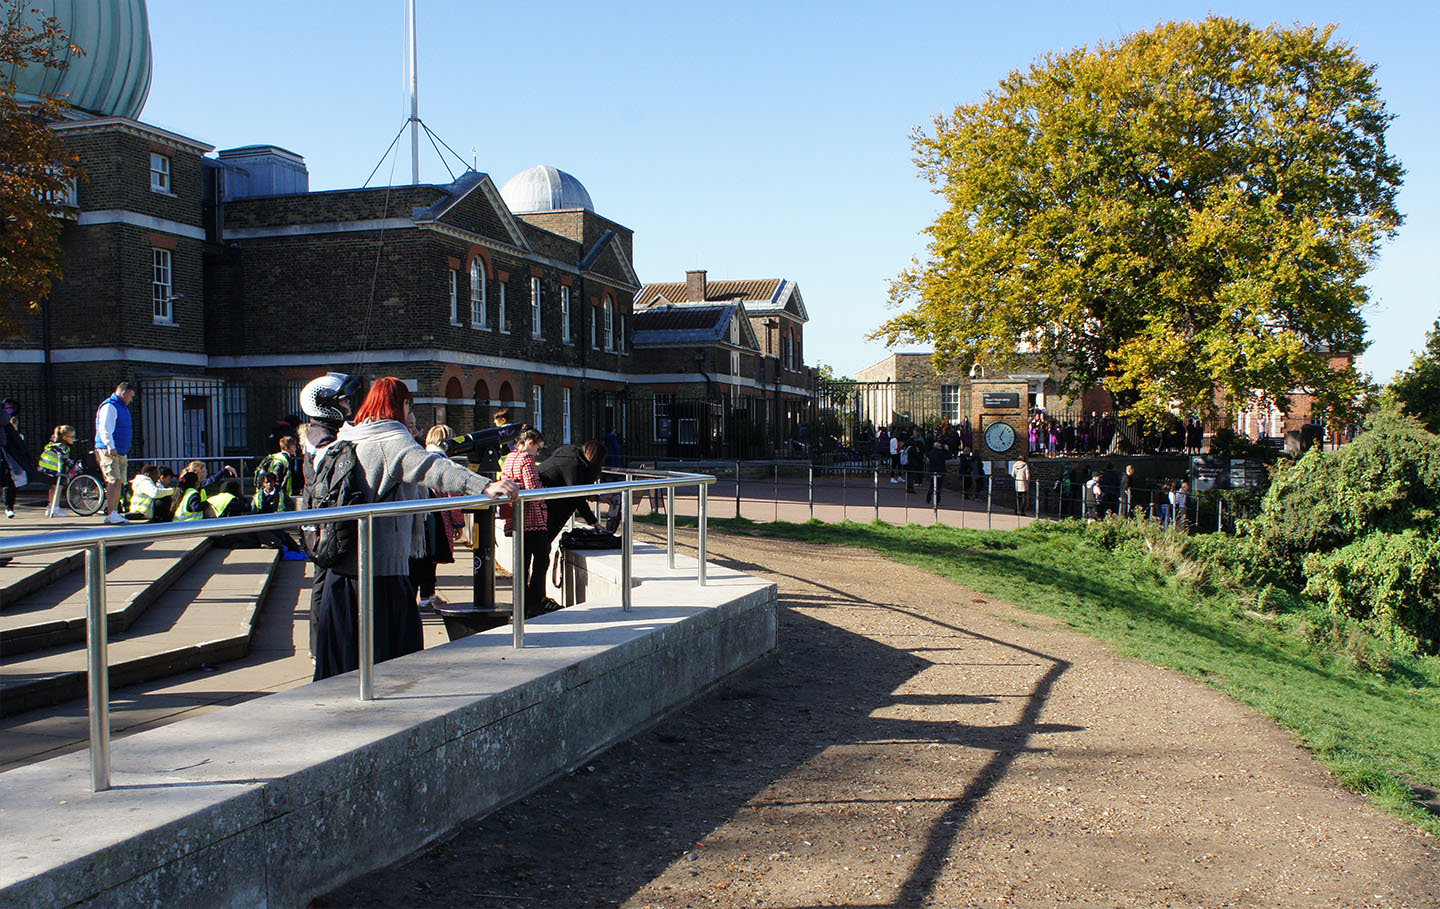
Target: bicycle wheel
{"x":85,"y":495}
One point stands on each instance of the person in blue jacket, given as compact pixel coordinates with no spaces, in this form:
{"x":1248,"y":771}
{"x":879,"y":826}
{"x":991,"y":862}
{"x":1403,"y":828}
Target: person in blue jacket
{"x":112,"y":447}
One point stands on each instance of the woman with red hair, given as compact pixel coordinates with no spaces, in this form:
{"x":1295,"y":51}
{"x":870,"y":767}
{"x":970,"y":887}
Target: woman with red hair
{"x":397,"y":468}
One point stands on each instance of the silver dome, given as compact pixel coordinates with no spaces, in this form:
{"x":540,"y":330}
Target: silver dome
{"x":545,"y":188}
{"x":112,"y":77}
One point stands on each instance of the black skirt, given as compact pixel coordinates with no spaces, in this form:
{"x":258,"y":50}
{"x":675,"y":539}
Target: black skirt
{"x":336,"y":622}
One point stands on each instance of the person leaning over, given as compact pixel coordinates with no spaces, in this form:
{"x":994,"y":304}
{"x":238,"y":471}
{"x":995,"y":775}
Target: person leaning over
{"x":396,"y":468}
{"x":112,"y":446}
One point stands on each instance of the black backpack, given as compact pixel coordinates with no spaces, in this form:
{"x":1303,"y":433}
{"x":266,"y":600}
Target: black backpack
{"x":339,"y":481}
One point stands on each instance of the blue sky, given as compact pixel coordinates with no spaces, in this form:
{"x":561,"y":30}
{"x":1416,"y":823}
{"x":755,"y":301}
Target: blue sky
{"x":750,"y":139}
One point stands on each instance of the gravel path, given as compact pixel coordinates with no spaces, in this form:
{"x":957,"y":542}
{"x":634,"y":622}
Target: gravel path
{"x":918,"y":744}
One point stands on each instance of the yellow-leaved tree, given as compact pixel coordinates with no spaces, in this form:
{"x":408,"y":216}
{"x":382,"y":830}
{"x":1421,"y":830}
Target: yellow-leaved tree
{"x":1190,"y":209}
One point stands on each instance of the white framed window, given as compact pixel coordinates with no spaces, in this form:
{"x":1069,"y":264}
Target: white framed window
{"x":620,"y":338}
{"x":565,"y":319}
{"x":594,"y":328}
{"x":162,"y":286}
{"x":160,"y":172}
{"x":535,"y":307}
{"x":478,"y":290}
{"x":734,"y":362}
{"x":789,"y":352}
{"x":537,"y":407}
{"x":609,"y":325}
{"x":454,"y":297}
{"x":503,"y":312}
{"x":950,"y":403}
{"x":565,"y":416}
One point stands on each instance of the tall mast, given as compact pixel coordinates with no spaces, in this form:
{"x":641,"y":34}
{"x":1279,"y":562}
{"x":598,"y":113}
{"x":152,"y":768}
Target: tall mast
{"x":414,"y":62}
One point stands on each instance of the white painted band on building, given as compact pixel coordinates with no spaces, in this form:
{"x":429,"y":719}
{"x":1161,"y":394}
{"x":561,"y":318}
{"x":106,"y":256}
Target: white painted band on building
{"x":303,"y":230}
{"x":135,"y":219}
{"x":105,"y":354}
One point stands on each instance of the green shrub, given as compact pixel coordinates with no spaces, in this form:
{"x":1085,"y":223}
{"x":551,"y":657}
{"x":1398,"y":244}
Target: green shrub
{"x":1359,"y":529}
{"x":1390,"y":582}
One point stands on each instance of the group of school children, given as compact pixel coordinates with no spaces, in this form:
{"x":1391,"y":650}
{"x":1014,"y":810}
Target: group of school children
{"x":155,"y":493}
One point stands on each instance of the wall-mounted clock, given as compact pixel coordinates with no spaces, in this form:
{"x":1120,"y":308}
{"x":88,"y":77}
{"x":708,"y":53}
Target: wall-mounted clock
{"x":999,"y":437}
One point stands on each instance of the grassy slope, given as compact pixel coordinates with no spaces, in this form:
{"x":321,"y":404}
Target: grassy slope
{"x":1371,"y":730}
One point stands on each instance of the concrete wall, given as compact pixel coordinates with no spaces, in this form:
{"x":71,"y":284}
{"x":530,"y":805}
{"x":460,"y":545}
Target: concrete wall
{"x":272,"y":802}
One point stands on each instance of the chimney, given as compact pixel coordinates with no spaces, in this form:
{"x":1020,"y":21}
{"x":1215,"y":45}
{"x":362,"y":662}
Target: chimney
{"x":695,"y":286}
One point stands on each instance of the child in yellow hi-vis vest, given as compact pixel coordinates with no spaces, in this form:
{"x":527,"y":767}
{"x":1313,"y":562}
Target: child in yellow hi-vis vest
{"x":55,"y":462}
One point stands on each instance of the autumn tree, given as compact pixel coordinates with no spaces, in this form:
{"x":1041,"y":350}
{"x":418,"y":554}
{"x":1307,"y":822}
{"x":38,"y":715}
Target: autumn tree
{"x":35,"y":169}
{"x":1188,"y":210}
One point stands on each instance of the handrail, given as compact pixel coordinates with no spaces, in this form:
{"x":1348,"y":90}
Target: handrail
{"x":97,"y":541}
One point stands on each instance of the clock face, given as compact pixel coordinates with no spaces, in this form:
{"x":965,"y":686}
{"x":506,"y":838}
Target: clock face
{"x":999,"y":436}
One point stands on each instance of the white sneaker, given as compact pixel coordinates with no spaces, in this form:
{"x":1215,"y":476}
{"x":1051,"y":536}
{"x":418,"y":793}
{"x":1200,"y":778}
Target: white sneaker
{"x":116,"y":517}
{"x":9,"y":512}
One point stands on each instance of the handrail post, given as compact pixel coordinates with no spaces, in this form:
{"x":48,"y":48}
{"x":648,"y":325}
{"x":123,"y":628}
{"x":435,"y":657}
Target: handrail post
{"x":989,"y":492}
{"x":935,"y":492}
{"x":627,"y":542}
{"x":810,"y":485}
{"x":877,"y":493}
{"x":670,"y":525}
{"x":702,"y":508}
{"x":517,"y":576}
{"x":365,"y":565}
{"x":737,"y":489}
{"x":98,"y":667}
{"x":776,"y":465}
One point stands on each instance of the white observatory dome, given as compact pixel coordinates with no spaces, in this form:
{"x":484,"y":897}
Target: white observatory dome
{"x":545,"y":188}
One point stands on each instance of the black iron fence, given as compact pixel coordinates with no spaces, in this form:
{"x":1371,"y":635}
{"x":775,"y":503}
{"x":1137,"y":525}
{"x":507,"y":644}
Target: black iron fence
{"x":174,"y":420}
{"x":685,"y":426}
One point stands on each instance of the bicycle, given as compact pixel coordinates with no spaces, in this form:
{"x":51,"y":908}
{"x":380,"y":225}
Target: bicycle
{"x":84,"y":493}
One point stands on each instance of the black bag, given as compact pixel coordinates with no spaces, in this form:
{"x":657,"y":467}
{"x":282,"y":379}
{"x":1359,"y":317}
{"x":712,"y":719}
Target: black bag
{"x":339,"y":481}
{"x":585,"y":538}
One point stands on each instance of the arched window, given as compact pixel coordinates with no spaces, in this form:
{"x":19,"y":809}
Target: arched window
{"x":609,"y":324}
{"x":478,"y":294}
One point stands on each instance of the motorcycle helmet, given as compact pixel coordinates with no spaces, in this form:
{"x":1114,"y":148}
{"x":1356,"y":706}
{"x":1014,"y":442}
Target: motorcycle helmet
{"x":322,"y":398}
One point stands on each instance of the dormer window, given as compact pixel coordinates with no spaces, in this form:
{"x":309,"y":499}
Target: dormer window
{"x":159,"y":173}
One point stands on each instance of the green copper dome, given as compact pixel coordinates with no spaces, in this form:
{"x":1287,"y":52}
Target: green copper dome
{"x":112,"y":77}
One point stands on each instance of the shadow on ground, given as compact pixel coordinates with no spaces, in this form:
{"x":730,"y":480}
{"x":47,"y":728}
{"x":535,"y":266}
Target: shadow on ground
{"x":601,"y":834}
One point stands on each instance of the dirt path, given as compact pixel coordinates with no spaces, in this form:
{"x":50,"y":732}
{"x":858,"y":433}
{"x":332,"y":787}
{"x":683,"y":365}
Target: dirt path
{"x":920,"y":745}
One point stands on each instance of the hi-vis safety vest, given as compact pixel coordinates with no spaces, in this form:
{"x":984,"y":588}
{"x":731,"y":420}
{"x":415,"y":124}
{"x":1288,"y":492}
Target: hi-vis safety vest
{"x":142,"y":498}
{"x":53,"y":457}
{"x":277,"y":502}
{"x":221,"y":502}
{"x":191,"y":506}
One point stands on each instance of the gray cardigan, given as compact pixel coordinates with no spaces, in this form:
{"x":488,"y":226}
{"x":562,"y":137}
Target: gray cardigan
{"x":397,"y":468}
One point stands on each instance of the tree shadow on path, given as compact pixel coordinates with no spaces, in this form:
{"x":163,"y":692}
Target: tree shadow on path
{"x":600,"y":835}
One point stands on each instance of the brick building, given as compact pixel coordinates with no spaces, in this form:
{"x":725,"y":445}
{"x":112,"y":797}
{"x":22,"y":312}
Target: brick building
{"x":906,"y":387}
{"x":723,"y":362}
{"x":221,"y":285}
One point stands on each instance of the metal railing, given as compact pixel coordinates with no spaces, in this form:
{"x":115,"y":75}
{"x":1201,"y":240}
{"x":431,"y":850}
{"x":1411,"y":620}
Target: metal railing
{"x":96,"y":542}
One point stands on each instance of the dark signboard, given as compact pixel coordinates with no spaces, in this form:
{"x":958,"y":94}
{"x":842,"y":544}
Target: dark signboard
{"x":997,"y":400}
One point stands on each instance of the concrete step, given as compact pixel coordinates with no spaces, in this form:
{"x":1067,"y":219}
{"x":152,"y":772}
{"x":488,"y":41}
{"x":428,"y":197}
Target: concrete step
{"x":135,"y":577}
{"x":23,"y":575}
{"x":205,"y":617}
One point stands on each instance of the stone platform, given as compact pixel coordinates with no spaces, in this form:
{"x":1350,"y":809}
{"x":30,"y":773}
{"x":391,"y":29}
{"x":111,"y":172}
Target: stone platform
{"x":276,"y":800}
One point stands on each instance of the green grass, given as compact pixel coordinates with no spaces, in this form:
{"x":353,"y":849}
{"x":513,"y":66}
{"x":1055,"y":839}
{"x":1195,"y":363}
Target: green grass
{"x":1373,"y":720}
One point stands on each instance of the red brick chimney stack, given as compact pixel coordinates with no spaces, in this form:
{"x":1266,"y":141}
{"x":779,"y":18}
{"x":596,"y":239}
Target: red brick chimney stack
{"x":695,"y":286}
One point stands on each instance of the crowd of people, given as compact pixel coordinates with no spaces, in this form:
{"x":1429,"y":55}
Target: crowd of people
{"x":1095,"y":434}
{"x":395,"y":461}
